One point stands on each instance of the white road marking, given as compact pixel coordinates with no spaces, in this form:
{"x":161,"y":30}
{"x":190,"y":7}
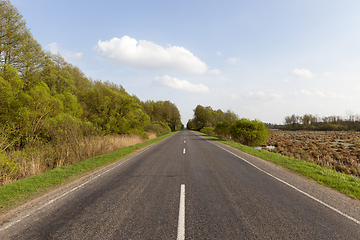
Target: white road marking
{"x":295,"y":188}
{"x":181,"y":222}
{"x":184,"y":151}
{"x":184,"y":141}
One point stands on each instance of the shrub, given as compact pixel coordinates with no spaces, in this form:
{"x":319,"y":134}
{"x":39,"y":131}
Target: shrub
{"x":208,"y":130}
{"x":251,"y":133}
{"x":222,"y":129}
{"x":8,"y":167}
{"x":331,"y":127}
{"x":160,"y":130}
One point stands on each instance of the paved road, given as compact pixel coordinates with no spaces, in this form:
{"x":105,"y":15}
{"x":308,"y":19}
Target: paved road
{"x":225,"y":194}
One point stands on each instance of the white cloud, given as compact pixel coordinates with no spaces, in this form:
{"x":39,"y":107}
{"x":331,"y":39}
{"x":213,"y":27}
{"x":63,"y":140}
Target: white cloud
{"x":339,"y":96}
{"x":218,"y":53}
{"x":54,"y":49}
{"x":327,"y":74}
{"x":73,"y":55}
{"x":215,"y":71}
{"x":182,"y":85}
{"x":265,"y":95}
{"x":305,"y":92}
{"x":321,"y":93}
{"x":286,"y":80}
{"x":232,"y":60}
{"x":303,"y":73}
{"x":235,"y":96}
{"x":258,"y":94}
{"x":147,"y":55}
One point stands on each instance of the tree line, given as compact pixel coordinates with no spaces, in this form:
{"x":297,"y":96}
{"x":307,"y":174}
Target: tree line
{"x":329,"y":123}
{"x":228,"y":125}
{"x":44,"y":101}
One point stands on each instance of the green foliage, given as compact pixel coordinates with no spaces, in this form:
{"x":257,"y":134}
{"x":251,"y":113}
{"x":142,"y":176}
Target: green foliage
{"x":27,"y":110}
{"x":7,"y":166}
{"x":227,"y":125}
{"x":190,"y":124}
{"x":13,"y":31}
{"x":223,"y":129}
{"x":331,"y":127}
{"x":40,"y":106}
{"x":251,"y":133}
{"x":208,"y":130}
{"x":58,"y":80}
{"x":159,"y":128}
{"x":207,"y":117}
{"x":10,"y":87}
{"x":109,"y":107}
{"x":68,"y":128}
{"x":70,"y":104}
{"x":163,"y":111}
{"x":202,"y":117}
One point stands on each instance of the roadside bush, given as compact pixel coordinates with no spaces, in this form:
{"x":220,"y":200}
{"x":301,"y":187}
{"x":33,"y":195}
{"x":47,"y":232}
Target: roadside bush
{"x":251,"y":133}
{"x":7,"y":168}
{"x":331,"y":127}
{"x":158,"y":129}
{"x":222,"y":129}
{"x":66,"y":135}
{"x":208,"y":130}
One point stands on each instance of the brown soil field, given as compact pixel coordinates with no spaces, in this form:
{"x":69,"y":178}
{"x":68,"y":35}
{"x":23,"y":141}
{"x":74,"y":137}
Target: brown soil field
{"x":339,"y":150}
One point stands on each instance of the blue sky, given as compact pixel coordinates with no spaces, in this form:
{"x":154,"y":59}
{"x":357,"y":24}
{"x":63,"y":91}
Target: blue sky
{"x":260,"y":59}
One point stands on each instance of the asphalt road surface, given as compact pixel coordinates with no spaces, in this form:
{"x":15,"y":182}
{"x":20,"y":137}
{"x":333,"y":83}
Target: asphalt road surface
{"x":189,"y":187}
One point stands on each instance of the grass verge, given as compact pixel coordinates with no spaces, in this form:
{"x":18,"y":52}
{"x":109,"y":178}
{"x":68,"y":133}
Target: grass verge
{"x":23,"y":190}
{"x":339,"y":181}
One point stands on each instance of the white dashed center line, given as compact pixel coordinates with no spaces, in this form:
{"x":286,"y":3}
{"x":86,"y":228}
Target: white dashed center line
{"x":181,"y":223}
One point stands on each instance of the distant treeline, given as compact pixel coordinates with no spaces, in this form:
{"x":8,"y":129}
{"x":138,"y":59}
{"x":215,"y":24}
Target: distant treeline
{"x":46,"y":102}
{"x":313,"y":122}
{"x":228,"y":125}
{"x":207,"y":117}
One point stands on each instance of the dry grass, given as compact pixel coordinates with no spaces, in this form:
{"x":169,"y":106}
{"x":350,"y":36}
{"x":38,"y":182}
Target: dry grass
{"x":16,"y":165}
{"x":120,"y":141}
{"x":335,"y":150}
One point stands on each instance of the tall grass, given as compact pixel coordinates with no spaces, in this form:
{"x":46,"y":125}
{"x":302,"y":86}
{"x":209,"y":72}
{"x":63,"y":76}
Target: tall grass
{"x":39,"y":158}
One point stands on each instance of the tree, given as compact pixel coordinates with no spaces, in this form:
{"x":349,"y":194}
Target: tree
{"x":109,"y":107}
{"x":29,"y":59}
{"x":38,"y":109}
{"x":190,"y":124}
{"x":10,"y":93}
{"x":164,"y":112}
{"x":202,"y":115}
{"x":223,"y":129}
{"x":230,"y":116}
{"x":12,"y":31}
{"x":207,"y":117}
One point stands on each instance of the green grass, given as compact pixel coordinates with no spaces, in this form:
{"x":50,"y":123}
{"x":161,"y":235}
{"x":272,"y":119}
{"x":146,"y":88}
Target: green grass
{"x":342,"y":182}
{"x":20,"y":191}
